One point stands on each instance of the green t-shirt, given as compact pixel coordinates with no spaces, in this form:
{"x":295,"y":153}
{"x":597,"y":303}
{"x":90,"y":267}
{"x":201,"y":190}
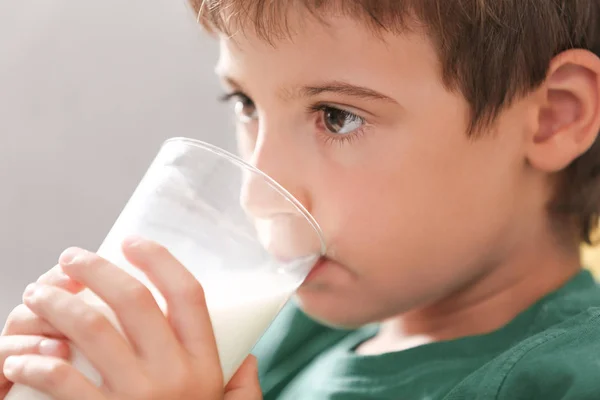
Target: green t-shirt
{"x":550,"y":351}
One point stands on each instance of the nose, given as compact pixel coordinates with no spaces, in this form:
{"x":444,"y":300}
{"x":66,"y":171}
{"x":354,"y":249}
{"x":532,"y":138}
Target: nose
{"x":261,"y":198}
{"x":281,"y":225}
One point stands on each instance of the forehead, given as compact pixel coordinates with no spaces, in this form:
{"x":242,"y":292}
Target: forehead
{"x":338,"y":48}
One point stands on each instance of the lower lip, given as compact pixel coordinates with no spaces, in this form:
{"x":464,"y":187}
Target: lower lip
{"x":317,"y":269}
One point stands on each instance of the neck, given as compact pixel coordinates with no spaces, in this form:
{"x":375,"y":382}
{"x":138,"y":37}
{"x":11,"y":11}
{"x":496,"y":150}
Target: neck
{"x":485,"y":305}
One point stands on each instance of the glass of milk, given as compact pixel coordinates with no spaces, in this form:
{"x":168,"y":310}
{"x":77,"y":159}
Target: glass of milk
{"x":243,"y":236}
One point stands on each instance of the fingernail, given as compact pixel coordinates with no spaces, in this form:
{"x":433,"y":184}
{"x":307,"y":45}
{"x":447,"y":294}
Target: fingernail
{"x":69,"y":255}
{"x":50,"y":347}
{"x":12,"y":365}
{"x":29,"y":291}
{"x":132,"y":241}
{"x":61,"y":278}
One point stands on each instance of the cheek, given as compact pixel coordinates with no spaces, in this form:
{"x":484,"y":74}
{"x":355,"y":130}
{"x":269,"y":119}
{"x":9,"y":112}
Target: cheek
{"x":421,"y":207}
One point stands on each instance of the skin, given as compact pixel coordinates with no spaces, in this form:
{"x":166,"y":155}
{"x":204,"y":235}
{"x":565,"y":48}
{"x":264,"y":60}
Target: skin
{"x":433,"y":234}
{"x":172,"y":357}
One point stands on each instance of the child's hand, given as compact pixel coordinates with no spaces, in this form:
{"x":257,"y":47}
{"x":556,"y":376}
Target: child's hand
{"x":163,"y":358}
{"x":26,"y":333}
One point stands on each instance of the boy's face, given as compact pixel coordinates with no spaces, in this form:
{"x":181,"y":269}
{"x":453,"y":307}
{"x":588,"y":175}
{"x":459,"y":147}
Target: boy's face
{"x":363,"y":132}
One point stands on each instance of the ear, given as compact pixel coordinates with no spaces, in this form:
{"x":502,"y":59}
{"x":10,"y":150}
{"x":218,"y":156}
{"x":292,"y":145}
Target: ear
{"x":569,"y":115}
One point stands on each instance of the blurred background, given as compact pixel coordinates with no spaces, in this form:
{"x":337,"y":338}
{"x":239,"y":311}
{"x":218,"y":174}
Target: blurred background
{"x":88,"y":91}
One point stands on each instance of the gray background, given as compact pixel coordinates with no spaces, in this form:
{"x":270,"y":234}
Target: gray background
{"x":88,"y":91}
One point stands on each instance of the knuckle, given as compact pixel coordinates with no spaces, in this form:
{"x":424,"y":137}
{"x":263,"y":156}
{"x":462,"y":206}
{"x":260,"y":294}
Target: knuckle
{"x":57,"y":373}
{"x":92,"y":321}
{"x":135,"y":293}
{"x":192,"y":293}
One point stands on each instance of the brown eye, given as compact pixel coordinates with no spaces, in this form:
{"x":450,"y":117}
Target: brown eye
{"x":243,"y":106}
{"x":340,"y":122}
{"x":245,"y":109}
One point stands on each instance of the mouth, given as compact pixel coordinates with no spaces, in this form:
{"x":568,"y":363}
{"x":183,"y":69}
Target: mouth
{"x":320,"y":266}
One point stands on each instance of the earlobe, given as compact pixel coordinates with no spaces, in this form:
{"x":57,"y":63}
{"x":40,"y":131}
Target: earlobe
{"x":569,"y":118}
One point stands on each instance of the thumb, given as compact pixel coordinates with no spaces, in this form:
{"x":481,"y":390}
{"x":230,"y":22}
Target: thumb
{"x":244,"y":385}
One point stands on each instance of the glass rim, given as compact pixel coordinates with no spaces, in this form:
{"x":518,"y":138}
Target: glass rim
{"x":270,"y":181}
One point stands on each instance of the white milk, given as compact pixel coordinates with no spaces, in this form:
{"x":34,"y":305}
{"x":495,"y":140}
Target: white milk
{"x":242,"y":304}
{"x":240,"y":312}
{"x":238,"y":327}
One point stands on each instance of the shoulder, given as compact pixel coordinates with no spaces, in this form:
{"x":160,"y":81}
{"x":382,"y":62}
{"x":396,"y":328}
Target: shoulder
{"x":561,"y":363}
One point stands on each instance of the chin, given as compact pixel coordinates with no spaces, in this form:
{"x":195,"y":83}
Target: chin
{"x":334,"y":295}
{"x":323,"y":306}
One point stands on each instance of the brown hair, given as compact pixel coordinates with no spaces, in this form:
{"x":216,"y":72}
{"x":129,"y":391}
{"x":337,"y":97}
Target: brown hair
{"x":490,"y":50}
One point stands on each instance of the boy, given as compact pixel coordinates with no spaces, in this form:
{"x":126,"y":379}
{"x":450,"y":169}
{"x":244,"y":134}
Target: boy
{"x":448,"y":149}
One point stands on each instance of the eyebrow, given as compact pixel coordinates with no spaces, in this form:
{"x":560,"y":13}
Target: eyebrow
{"x":335,"y":87}
{"x":343,"y":88}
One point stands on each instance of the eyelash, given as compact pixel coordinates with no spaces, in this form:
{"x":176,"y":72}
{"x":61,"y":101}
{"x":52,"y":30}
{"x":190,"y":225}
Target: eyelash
{"x":226,"y":97}
{"x":316,"y":109}
{"x":329,"y":138}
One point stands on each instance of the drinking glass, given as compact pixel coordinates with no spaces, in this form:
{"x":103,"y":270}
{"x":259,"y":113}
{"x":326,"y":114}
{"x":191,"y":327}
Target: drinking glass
{"x":247,"y":240}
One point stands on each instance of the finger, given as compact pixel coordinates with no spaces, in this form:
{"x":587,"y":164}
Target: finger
{"x":52,"y":376}
{"x":88,"y":329}
{"x":183,"y":294}
{"x":132,"y":302}
{"x":20,"y":345}
{"x":245,"y":384}
{"x":57,"y":277}
{"x":22,"y":321}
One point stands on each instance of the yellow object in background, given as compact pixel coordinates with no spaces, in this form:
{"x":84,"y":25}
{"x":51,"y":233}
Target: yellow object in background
{"x":591,"y":259}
